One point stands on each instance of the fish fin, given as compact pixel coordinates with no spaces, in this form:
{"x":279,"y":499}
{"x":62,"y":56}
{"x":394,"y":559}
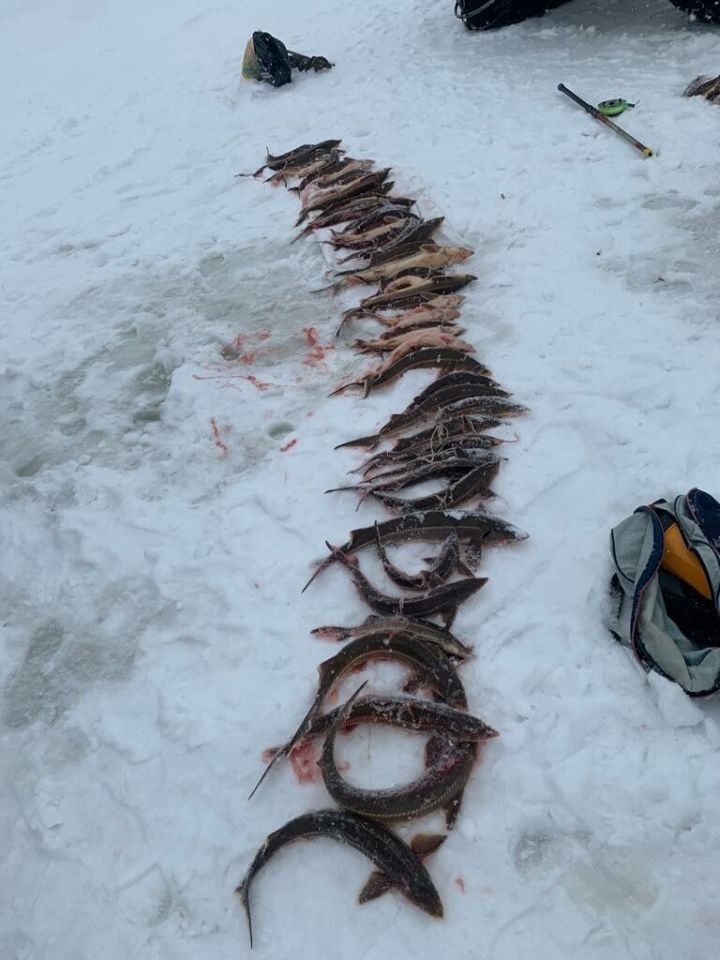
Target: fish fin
{"x":473,"y":556}
{"x":346,"y":386}
{"x":371,"y":442}
{"x":331,"y":633}
{"x":452,"y":809}
{"x":378,"y":883}
{"x":318,"y":570}
{"x":448,"y":615}
{"x":434,"y":750}
{"x":413,"y":683}
{"x":423,"y":844}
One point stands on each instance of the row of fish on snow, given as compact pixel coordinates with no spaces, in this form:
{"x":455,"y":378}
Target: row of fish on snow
{"x":442,"y":433}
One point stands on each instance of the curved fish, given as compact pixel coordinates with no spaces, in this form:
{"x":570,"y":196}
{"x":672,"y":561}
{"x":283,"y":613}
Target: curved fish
{"x":398,"y":863}
{"x":440,"y":782}
{"x":391,"y":627}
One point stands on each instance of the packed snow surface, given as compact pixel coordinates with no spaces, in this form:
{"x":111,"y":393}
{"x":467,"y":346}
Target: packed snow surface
{"x":162,"y":506}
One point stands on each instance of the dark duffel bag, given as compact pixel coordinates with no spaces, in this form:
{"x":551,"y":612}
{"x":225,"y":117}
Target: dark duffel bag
{"x":487,"y":14}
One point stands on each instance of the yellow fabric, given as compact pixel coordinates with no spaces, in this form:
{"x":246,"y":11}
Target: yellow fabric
{"x":683,"y":563}
{"x":250,"y":66}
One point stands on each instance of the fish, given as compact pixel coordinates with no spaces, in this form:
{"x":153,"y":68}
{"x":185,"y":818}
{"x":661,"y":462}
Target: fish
{"x":370,"y":182}
{"x":431,"y":666}
{"x":326,"y":184}
{"x":443,"y":566}
{"x":419,"y":716}
{"x":398,"y":864}
{"x":435,"y":402}
{"x":351,"y":210}
{"x":429,"y":256}
{"x":390,"y":627}
{"x":415,"y":235}
{"x":297,"y":155}
{"x":474,"y":528}
{"x":442,"y":307}
{"x":314,"y":166}
{"x":443,"y":600}
{"x":449,"y":462}
{"x":472,"y":449}
{"x":443,"y":357}
{"x":474,"y":484}
{"x":445,"y":776}
{"x":446,"y":426}
{"x":408,"y":292}
{"x":372,"y":218}
{"x":335,"y":174}
{"x":362,"y":241}
{"x":419,"y":469}
{"x":389,"y":340}
{"x":334,"y":166}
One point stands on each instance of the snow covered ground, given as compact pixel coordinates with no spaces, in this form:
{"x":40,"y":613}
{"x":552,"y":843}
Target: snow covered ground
{"x":160,"y":510}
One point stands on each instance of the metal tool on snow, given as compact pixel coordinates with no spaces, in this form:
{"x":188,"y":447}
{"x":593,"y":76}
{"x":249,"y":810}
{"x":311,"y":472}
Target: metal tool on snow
{"x":594,"y":112}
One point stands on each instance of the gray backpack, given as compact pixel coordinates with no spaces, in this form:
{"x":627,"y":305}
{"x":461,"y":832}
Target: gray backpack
{"x":670,"y":626}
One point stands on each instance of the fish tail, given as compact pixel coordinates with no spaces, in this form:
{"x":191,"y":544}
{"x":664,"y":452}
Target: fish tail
{"x":244,"y":892}
{"x":318,"y":570}
{"x":371,"y":442}
{"x":346,"y":386}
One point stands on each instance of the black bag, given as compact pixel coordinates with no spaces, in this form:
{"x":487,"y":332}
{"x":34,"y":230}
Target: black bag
{"x":488,"y":14}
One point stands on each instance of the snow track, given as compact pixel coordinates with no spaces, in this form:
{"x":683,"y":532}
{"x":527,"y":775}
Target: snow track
{"x":158,"y":521}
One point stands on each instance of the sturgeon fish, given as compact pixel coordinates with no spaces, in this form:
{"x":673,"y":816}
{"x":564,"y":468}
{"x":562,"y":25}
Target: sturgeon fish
{"x":428,"y":256}
{"x":390,"y":627}
{"x":398,"y":864}
{"x":443,"y":566}
{"x":419,"y":716}
{"x":443,"y":600}
{"x":444,"y":777}
{"x":431,"y":666}
{"x":475,"y":528}
{"x":368,"y":183}
{"x":441,"y":357}
{"x":472,"y":485}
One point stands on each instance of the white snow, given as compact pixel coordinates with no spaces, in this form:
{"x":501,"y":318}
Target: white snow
{"x":154,"y":639}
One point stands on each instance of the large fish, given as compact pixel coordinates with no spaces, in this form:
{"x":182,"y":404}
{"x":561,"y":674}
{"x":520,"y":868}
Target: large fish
{"x":440,"y":357}
{"x":406,"y":292}
{"x":448,"y":766}
{"x":368,"y":183}
{"x":351,"y":210}
{"x":475,"y":528}
{"x":296,"y":156}
{"x":420,"y":716}
{"x":429,"y":664}
{"x":448,"y":560}
{"x":443,"y":600}
{"x":398,"y":864}
{"x":428,"y":255}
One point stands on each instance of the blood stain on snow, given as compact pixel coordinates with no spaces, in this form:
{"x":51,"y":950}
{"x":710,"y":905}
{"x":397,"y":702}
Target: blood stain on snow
{"x":317,"y":352}
{"x":218,"y":438}
{"x":289,"y":445}
{"x":303,"y":763}
{"x":460,"y":882}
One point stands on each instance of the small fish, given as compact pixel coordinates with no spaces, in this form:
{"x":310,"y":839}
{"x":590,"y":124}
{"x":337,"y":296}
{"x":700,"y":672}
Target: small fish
{"x":443,"y":566}
{"x":408,"y":292}
{"x":334,"y":165}
{"x":334,"y":174}
{"x":473,"y":528}
{"x":441,"y":781}
{"x":399,"y":865}
{"x":390,"y":627}
{"x":443,"y":600}
{"x":328,"y":182}
{"x":428,"y":662}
